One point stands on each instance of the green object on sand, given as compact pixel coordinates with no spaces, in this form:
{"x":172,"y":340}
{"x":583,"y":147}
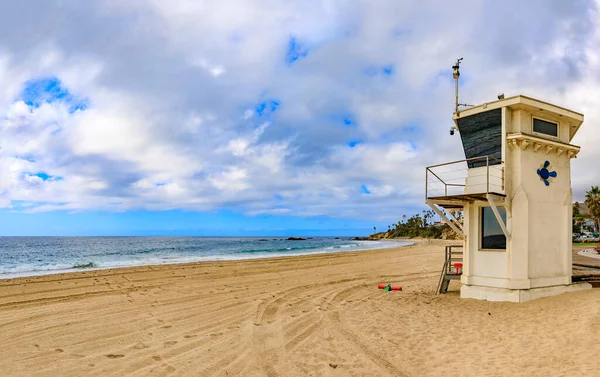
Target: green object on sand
{"x":388,"y":287}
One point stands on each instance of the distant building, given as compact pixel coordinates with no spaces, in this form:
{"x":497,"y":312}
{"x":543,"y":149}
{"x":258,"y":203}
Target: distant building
{"x":589,"y":225}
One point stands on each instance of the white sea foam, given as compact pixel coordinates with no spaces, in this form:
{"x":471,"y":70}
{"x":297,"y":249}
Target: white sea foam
{"x":29,"y":269}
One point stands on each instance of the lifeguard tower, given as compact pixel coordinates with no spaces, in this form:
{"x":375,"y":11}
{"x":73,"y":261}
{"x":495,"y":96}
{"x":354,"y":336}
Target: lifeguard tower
{"x":513,"y":190}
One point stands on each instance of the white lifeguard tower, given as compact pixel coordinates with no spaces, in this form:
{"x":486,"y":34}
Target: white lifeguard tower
{"x":514,"y":192}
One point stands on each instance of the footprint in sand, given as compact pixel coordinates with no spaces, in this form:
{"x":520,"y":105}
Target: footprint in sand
{"x":114,"y":356}
{"x":140,"y":346}
{"x":156,"y":358}
{"x":169,"y":368}
{"x":166,"y":327}
{"x":59,"y":350}
{"x":190,"y":336}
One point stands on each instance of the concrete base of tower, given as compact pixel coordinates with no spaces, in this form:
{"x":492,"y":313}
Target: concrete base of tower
{"x":518,"y":295}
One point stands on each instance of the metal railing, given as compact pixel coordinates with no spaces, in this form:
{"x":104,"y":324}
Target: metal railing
{"x":477,"y":175}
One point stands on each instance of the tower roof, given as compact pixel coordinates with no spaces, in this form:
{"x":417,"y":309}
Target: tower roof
{"x":533,"y":105}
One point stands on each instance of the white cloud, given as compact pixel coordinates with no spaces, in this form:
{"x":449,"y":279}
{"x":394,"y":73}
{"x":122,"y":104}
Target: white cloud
{"x":172,"y":120}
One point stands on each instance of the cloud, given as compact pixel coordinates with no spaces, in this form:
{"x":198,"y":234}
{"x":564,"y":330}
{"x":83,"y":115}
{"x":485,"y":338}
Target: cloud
{"x":274,"y":107}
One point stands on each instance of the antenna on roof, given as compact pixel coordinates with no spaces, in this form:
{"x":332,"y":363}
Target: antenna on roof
{"x":456,"y":75}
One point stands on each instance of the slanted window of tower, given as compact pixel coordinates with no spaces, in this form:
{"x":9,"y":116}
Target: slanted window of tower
{"x":545,"y":127}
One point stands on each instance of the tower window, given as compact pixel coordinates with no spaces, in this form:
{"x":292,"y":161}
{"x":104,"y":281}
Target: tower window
{"x":492,"y":236}
{"x":545,"y":127}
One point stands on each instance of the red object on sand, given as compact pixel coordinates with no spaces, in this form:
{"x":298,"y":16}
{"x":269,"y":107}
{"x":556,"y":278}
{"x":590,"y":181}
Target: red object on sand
{"x":457,"y":266}
{"x":392,"y":288}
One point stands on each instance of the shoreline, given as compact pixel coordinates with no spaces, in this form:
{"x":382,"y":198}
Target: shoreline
{"x":326,"y":254}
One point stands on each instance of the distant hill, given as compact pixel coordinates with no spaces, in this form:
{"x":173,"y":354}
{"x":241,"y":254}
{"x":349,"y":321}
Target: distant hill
{"x":583,"y":209}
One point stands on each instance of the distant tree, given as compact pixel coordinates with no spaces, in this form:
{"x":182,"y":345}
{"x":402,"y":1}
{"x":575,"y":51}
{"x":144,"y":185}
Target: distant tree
{"x":418,"y":225}
{"x":592,"y":201}
{"x":576,"y":227}
{"x":576,"y":218}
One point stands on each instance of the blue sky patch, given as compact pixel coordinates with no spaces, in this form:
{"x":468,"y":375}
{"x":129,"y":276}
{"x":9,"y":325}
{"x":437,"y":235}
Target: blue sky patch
{"x":386,"y":70}
{"x":26,"y":158}
{"x":342,"y":117}
{"x":267,"y":106}
{"x":50,"y":90}
{"x":295,"y":51}
{"x":260,"y":108}
{"x":274,"y":105}
{"x":365,"y":189}
{"x":46,"y":177}
{"x":347,"y":119}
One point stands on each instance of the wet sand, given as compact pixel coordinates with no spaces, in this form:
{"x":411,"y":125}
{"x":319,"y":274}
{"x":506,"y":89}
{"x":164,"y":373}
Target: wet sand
{"x":319,"y":315}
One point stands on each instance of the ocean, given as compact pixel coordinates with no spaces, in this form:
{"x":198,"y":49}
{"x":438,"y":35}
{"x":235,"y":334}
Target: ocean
{"x":29,"y":256}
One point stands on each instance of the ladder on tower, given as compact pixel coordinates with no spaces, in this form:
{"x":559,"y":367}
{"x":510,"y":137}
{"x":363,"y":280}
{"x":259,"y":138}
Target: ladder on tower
{"x":453,"y":264}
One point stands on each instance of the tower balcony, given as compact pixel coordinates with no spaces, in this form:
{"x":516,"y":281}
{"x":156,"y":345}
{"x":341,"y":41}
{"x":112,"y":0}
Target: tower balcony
{"x":452,"y":184}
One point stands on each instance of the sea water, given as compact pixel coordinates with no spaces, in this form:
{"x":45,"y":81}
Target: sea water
{"x":28,"y":256}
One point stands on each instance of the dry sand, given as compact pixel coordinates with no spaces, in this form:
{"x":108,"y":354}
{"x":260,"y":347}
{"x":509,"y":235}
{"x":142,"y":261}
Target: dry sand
{"x":310,"y":315}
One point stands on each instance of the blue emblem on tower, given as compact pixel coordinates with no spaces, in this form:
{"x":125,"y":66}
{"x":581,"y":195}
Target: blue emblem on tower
{"x":546,"y":174}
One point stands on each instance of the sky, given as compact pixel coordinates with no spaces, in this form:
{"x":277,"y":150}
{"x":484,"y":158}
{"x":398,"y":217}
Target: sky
{"x":207,"y":117}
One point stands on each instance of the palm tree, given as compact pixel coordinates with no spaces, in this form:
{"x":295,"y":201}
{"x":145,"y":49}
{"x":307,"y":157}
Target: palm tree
{"x":592,"y":201}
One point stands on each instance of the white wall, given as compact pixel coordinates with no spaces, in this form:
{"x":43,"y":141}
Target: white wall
{"x":538,"y":252}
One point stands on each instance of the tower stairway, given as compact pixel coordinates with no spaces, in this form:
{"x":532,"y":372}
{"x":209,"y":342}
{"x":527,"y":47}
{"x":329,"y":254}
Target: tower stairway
{"x":453,"y":265}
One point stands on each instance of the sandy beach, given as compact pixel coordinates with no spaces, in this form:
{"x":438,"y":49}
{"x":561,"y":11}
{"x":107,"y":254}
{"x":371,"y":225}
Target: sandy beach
{"x":317,"y":315}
